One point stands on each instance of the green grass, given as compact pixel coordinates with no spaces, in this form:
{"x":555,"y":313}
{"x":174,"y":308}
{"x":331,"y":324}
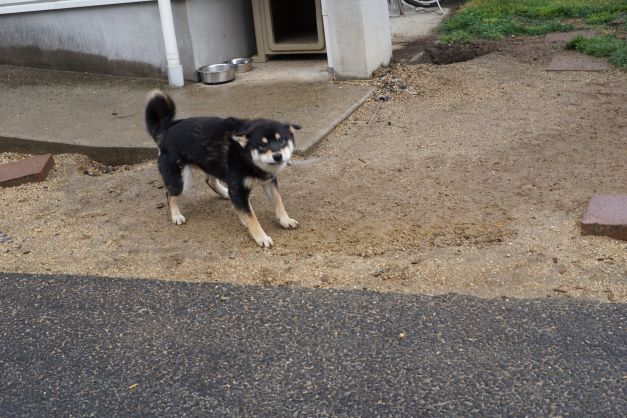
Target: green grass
{"x":602,"y":46}
{"x":600,"y":18}
{"x":496,"y":19}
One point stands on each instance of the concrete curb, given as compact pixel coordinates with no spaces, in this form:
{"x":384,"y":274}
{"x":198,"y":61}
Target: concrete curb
{"x":303,"y":148}
{"x":105,"y":155}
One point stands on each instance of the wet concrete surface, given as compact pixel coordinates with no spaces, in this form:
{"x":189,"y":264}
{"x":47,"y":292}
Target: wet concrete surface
{"x":86,"y":346}
{"x":102,"y":116}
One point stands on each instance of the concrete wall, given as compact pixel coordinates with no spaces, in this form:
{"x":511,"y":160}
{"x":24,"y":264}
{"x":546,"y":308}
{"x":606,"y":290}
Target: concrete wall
{"x":220,"y":30}
{"x":377,"y":33}
{"x":358,"y":38}
{"x":126,"y":39}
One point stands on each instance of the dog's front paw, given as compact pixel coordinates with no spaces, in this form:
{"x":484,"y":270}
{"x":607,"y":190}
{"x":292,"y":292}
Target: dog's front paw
{"x":288,"y":223}
{"x":178,"y":219}
{"x":264,"y":241}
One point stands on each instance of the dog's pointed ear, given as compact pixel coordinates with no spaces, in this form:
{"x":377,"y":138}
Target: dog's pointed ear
{"x":293,"y":127}
{"x":241,"y":138}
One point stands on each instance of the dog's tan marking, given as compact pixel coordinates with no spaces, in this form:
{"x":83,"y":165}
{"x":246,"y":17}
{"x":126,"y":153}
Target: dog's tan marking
{"x":277,"y":135}
{"x":254,"y":229}
{"x":279,"y":210}
{"x":264,"y":140}
{"x":174,"y":212}
{"x":242,"y":140}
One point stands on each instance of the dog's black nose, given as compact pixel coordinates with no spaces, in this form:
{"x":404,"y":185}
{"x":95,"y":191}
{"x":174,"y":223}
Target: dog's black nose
{"x":277,"y":157}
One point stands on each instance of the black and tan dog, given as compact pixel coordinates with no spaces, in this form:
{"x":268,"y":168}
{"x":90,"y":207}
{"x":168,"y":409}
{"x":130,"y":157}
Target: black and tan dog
{"x":240,"y":153}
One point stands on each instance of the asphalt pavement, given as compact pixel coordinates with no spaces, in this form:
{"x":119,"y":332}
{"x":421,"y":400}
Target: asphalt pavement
{"x":85,"y":346}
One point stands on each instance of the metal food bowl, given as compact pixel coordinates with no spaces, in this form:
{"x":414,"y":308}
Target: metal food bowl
{"x":242,"y":64}
{"x":216,"y":73}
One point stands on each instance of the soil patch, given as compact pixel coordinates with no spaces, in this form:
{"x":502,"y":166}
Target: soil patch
{"x":470,"y":178}
{"x":428,"y":50}
{"x":414,"y":52}
{"x":442,"y":54}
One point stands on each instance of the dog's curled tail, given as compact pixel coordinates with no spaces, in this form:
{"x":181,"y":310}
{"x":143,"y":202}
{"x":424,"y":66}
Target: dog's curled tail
{"x":160,"y":111}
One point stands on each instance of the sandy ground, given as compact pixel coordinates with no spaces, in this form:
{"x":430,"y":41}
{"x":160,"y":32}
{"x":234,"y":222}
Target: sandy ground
{"x":471,"y":179}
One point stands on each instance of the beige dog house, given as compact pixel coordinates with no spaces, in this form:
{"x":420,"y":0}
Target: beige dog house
{"x":288,"y":27}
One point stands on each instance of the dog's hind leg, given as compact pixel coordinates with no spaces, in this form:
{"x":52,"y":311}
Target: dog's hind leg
{"x":272,"y":191}
{"x":217,"y":187}
{"x":175,"y":184}
{"x":174,"y":211}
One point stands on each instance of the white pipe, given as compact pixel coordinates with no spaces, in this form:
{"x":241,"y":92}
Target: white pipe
{"x":175,"y":70}
{"x":26,"y":6}
{"x":327,"y":35}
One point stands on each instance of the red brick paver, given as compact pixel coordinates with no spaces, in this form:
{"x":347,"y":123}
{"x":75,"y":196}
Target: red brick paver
{"x":606,"y":215}
{"x":26,"y":171}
